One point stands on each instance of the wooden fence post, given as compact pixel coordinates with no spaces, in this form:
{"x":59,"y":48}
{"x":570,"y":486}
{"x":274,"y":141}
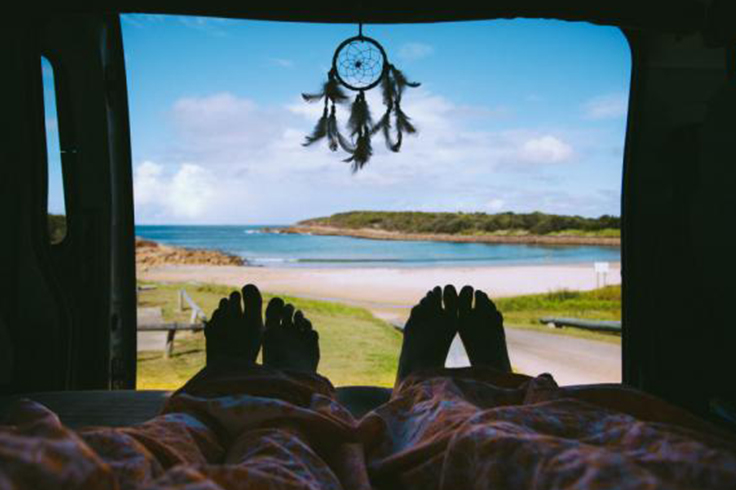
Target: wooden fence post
{"x":169,"y":343}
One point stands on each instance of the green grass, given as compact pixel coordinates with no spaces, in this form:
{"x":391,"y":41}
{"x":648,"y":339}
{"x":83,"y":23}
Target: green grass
{"x":356,"y":347}
{"x":599,"y":304}
{"x":604,"y":233}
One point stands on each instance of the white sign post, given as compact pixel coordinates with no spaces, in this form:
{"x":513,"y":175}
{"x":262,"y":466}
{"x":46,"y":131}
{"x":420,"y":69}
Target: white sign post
{"x":601,"y":272}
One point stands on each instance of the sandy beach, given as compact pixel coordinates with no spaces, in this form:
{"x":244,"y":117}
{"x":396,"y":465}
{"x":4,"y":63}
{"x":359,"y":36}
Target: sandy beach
{"x":387,"y":290}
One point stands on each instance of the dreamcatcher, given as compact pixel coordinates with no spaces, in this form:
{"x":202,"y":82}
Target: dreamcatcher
{"x":360,"y":64}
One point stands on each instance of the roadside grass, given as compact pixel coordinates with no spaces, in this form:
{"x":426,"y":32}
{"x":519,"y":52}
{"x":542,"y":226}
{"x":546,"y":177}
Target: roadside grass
{"x":356,"y":348}
{"x":598,"y":304}
{"x":606,"y":232}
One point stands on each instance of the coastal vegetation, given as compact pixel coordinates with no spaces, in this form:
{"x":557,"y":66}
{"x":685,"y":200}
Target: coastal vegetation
{"x":507,"y":223}
{"x":598,"y":304}
{"x":356,"y":347}
{"x":57,"y":227}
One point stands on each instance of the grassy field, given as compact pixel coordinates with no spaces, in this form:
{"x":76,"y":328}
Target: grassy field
{"x":599,"y":304}
{"x":356,"y":347}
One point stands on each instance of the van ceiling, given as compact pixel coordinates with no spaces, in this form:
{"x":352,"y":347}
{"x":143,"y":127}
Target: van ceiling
{"x":661,"y":15}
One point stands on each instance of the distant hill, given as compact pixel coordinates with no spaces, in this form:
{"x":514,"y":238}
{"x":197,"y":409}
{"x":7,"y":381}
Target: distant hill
{"x":57,"y":227}
{"x":537,"y":223}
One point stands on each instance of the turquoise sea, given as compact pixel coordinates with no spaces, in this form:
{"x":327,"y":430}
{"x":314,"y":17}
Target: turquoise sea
{"x":284,"y":250}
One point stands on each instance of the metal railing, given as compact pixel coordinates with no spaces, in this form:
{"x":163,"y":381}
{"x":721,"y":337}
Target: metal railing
{"x":593,"y":325}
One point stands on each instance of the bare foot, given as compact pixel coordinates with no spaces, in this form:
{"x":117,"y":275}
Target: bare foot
{"x":429,"y":332}
{"x":235,"y":332}
{"x":481,"y":330}
{"x":289,"y":342}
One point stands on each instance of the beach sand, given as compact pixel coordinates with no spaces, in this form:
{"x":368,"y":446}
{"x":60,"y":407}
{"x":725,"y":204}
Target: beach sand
{"x":383,"y":290}
{"x":389,"y":293}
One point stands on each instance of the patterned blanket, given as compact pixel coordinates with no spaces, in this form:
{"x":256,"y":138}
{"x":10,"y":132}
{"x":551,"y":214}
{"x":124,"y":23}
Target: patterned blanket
{"x":241,"y":427}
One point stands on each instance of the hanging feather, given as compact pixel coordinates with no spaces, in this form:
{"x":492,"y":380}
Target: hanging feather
{"x":388,"y":89}
{"x":401,"y":82}
{"x":362,"y":151}
{"x":333,"y":134}
{"x":360,"y":116}
{"x":360,"y":126}
{"x":402,"y":121}
{"x":331,"y":90}
{"x":319,"y":131}
{"x":384,"y":126}
{"x":397,"y":146}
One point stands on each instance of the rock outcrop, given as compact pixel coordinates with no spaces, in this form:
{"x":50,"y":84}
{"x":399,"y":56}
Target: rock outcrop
{"x":150,"y":254}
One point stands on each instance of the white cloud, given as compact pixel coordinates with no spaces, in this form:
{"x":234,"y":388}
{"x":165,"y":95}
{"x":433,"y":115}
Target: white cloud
{"x":282,"y":62}
{"x":545,"y":149}
{"x":184,"y":195}
{"x":606,"y":107}
{"x":211,"y":25}
{"x":415,"y":51}
{"x":140,"y":20}
{"x":495,"y":204}
{"x":231,"y":160}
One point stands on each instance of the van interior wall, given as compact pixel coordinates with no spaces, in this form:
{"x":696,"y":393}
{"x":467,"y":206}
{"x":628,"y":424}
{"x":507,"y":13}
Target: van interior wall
{"x":29,"y":297}
{"x":677,"y":300}
{"x":677,"y":205}
{"x":69,"y":308}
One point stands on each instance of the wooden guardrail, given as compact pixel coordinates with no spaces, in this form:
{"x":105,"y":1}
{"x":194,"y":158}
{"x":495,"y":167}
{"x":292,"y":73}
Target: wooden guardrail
{"x":183,"y":301}
{"x":593,"y":325}
{"x":197,"y":312}
{"x":171,"y":329}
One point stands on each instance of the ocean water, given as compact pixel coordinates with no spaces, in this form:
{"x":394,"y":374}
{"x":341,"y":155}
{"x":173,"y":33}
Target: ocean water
{"x":284,"y":250}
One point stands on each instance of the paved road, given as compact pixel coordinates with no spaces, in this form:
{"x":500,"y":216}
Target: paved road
{"x":570,"y":360}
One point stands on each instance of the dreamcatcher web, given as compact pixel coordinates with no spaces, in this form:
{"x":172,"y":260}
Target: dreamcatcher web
{"x":360,"y":63}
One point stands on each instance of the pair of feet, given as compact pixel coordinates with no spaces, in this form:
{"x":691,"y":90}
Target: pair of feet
{"x":237,"y":331}
{"x":442,"y":314}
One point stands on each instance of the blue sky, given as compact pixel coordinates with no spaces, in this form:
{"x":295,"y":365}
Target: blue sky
{"x":515,"y":115}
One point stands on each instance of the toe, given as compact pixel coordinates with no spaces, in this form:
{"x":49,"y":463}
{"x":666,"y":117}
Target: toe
{"x":432,"y":301}
{"x":300,"y":321}
{"x":482,"y":301}
{"x":212,"y":325}
{"x":273,"y":312}
{"x":484,"y":304}
{"x":415,"y":317}
{"x":253,"y":303}
{"x":465,"y":300}
{"x":236,"y":307}
{"x":223,"y":306}
{"x":436,"y":297}
{"x":450,"y":299}
{"x":427,"y":302}
{"x":287,"y":316}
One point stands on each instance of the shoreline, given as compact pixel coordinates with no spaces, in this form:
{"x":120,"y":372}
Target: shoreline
{"x":373,"y":234}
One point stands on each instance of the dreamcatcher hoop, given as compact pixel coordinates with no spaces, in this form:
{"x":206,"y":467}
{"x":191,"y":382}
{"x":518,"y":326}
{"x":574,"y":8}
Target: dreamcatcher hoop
{"x":360,"y":64}
{"x":351,"y":61}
